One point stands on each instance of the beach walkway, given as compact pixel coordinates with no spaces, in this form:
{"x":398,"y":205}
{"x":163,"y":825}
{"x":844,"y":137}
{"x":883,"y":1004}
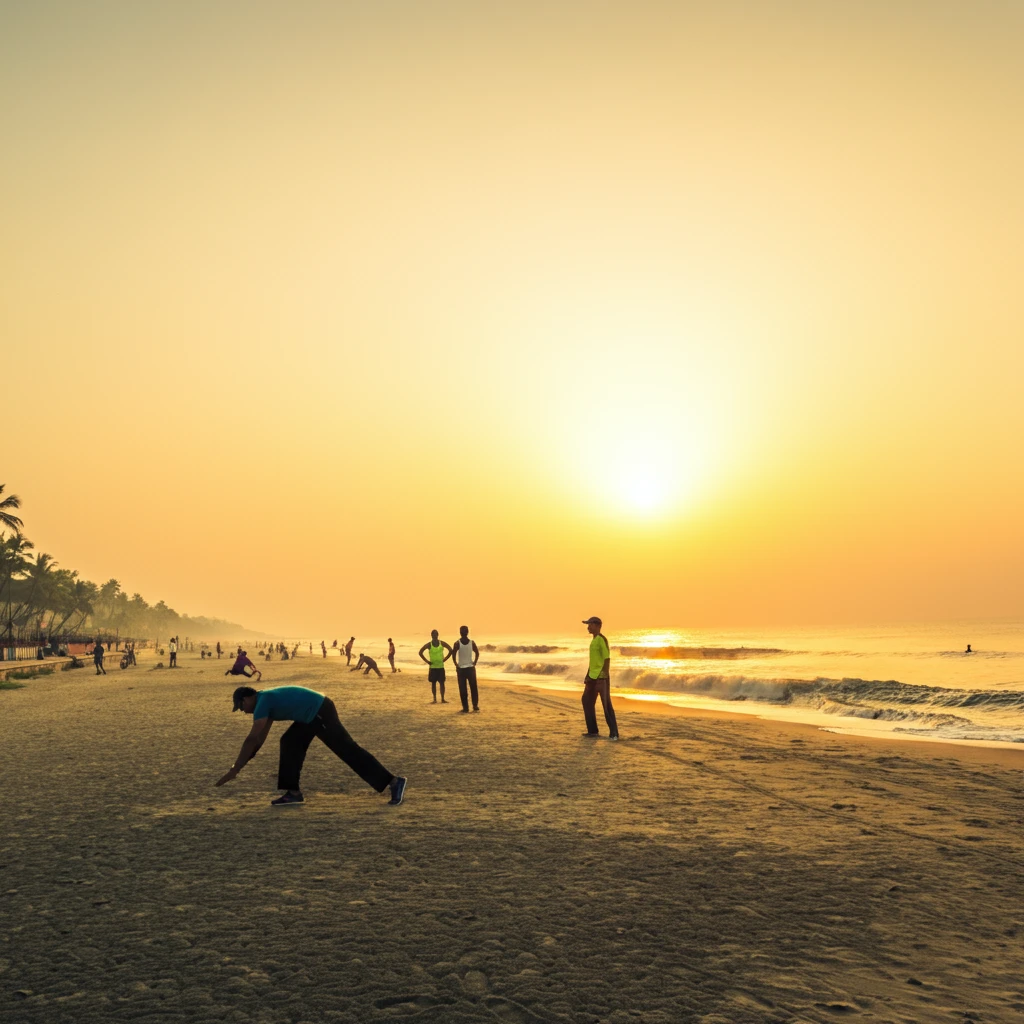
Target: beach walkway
{"x":714,"y":869}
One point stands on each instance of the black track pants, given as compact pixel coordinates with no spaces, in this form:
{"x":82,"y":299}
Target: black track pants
{"x":298,"y":736}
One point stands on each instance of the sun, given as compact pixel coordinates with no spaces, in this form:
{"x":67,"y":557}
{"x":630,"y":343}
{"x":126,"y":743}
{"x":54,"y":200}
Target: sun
{"x":644,"y":491}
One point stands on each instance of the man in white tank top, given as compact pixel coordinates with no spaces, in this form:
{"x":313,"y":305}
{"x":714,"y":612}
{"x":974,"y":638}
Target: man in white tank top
{"x":466,"y":656}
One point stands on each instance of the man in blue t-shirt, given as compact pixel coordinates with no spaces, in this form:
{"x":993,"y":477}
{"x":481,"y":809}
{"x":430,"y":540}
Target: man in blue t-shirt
{"x":311,"y":714}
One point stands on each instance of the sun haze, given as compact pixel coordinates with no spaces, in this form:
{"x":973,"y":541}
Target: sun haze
{"x":384,"y":316}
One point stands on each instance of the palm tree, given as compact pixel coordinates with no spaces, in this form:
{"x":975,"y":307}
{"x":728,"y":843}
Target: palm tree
{"x":14,"y":562}
{"x":35,"y":587}
{"x":105,"y":601}
{"x":7,"y":519}
{"x":78,"y":598}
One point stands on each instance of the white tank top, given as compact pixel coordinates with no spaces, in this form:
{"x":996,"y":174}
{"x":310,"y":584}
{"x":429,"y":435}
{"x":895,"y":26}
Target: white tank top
{"x":465,"y":654}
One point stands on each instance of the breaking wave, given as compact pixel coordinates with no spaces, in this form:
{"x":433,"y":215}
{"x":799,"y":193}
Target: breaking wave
{"x":868,"y":698}
{"x":537,"y":668}
{"x":700,"y":653}
{"x":528,"y":649}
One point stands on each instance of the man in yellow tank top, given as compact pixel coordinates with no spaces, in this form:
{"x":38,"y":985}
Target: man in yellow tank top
{"x":440,"y":652}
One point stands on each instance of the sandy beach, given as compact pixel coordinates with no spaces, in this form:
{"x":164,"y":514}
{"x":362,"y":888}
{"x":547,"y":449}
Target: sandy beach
{"x":711,"y":868}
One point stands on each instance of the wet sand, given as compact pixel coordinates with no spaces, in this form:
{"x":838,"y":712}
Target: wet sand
{"x":710,"y":868}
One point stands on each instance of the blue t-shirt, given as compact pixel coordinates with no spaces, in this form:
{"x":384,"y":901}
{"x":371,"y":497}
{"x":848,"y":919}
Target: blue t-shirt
{"x":288,"y":704}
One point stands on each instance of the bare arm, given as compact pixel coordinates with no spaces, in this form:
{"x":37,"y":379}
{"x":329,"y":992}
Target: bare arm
{"x":422,"y":649}
{"x":253,"y":742}
{"x":447,"y":647}
{"x":476,"y":653}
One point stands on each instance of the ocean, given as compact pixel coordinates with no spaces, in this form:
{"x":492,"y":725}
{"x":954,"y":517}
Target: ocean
{"x":909,"y":681}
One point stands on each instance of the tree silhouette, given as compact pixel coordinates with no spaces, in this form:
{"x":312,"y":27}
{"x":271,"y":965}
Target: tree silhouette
{"x":7,"y":505}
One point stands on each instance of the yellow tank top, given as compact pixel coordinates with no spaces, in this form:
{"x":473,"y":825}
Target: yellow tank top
{"x":436,"y":655}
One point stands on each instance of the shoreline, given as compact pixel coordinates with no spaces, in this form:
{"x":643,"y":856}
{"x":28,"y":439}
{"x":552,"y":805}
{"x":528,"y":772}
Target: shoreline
{"x":1006,"y":755}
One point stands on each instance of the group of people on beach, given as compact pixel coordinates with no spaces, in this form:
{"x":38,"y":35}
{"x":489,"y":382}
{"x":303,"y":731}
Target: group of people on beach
{"x":98,"y":654}
{"x":314,"y":715}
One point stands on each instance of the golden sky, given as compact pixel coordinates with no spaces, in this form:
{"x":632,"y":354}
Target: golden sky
{"x":337,"y":316}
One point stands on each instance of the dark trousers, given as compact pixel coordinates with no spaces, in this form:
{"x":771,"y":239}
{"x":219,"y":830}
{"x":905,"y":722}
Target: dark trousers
{"x":98,"y":662}
{"x":174,"y":660}
{"x":298,"y":736}
{"x":591,"y":689}
{"x":467,"y":675}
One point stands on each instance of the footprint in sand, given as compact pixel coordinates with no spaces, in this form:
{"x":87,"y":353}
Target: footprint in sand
{"x":510,"y":1010}
{"x":412,"y":1003}
{"x":475,"y":984}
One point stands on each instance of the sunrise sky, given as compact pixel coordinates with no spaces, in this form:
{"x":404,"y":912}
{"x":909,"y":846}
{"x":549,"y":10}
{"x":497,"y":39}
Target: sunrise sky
{"x":328,"y":316}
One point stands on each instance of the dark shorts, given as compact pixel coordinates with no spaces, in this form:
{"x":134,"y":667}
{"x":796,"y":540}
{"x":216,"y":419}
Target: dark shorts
{"x":435,"y":675}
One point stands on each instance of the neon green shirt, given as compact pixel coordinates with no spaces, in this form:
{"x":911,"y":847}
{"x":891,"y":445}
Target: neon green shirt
{"x":598,"y":652}
{"x":436,"y":655}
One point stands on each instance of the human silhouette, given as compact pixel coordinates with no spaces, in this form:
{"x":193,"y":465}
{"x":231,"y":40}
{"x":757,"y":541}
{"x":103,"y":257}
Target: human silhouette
{"x":440,"y":652}
{"x":365,"y":659}
{"x":466,"y":656}
{"x":597,"y":682}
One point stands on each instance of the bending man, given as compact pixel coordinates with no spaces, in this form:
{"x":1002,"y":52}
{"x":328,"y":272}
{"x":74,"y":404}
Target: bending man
{"x":365,"y":659}
{"x":311,"y":714}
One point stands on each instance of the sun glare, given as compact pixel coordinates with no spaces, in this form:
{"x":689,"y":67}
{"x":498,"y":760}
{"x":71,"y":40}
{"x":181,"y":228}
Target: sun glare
{"x":644,"y":491}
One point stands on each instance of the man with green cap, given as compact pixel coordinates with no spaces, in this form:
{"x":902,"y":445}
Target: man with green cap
{"x":311,"y":714}
{"x":598,"y":681}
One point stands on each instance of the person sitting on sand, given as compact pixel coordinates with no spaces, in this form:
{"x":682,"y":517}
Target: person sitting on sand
{"x":242,"y":662}
{"x":598,"y":681}
{"x":440,"y":652}
{"x":968,"y":651}
{"x":365,"y":659}
{"x":311,"y":714}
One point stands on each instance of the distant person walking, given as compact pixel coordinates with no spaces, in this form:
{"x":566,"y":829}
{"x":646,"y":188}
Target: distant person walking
{"x":323,"y":647}
{"x":391,"y":655}
{"x":97,"y":658}
{"x":365,"y":659}
{"x":311,"y":714}
{"x":218,"y":649}
{"x":242,"y":663}
{"x":348,"y":650}
{"x":466,"y":656}
{"x":598,"y":682}
{"x":440,"y":652}
{"x":173,"y":646}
